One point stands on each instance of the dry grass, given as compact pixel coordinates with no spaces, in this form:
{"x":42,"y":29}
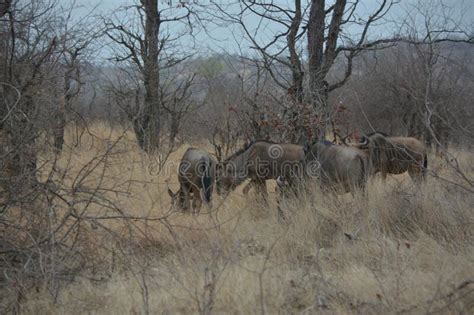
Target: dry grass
{"x":404,"y":249}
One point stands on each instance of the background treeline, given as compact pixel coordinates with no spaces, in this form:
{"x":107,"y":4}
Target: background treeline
{"x":79,"y":197}
{"x":385,"y":92}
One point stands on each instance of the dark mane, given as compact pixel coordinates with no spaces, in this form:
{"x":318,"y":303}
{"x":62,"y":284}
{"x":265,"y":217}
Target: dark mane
{"x":239,"y":152}
{"x":376,"y":132}
{"x":266,"y":141}
{"x":245,"y":148}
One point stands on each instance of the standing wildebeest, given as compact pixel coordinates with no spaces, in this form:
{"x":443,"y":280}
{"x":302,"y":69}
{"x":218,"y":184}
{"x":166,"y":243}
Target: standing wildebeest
{"x":261,"y":161}
{"x":196,"y":177}
{"x":337,"y":167}
{"x":395,"y":155}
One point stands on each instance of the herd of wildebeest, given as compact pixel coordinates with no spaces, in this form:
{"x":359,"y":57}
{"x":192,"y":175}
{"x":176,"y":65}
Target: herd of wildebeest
{"x":340,"y":168}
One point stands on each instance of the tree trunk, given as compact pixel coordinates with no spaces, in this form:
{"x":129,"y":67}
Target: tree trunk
{"x":60,"y":116}
{"x":322,"y":53}
{"x":296,"y":88}
{"x":317,"y":85}
{"x":58,"y":130}
{"x":174,"y":128}
{"x":22,"y":152}
{"x":150,"y":120}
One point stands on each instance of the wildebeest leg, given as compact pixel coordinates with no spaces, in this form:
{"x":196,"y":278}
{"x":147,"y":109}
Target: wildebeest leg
{"x":261,"y":185}
{"x":363,"y":188}
{"x":197,"y":201}
{"x":359,"y":187}
{"x":247,"y":187}
{"x":281,"y":215}
{"x":185,"y":191}
{"x":416,"y":173}
{"x":284,"y":188}
{"x":424,"y":169}
{"x":198,"y":204}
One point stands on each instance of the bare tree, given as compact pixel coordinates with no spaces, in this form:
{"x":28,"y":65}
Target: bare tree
{"x":287,"y":72}
{"x":27,"y":49}
{"x":74,"y":49}
{"x":331,"y":40}
{"x":324,"y":46}
{"x":39,"y":237}
{"x":146,"y":44}
{"x":322,"y":25}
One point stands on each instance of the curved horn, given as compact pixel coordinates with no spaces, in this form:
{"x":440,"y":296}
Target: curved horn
{"x":365,"y":141}
{"x":170,"y":192}
{"x":344,"y":139}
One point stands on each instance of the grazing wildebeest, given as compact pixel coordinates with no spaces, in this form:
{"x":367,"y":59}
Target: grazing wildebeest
{"x":395,"y":155}
{"x":260,"y":161}
{"x":196,"y":176}
{"x":337,"y":167}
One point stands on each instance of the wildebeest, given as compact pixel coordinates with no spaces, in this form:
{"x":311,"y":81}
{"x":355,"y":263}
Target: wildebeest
{"x":341,"y":168}
{"x":196,"y":176}
{"x":395,"y":155}
{"x":260,"y":161}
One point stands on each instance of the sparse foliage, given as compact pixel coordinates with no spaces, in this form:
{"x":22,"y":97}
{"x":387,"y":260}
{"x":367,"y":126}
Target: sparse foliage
{"x":85,"y":221}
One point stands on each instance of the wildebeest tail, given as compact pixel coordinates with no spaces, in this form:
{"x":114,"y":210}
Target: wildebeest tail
{"x":206,"y":181}
{"x":425,"y":166}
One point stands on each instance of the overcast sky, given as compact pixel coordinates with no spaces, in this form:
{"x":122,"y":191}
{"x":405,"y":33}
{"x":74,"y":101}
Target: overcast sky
{"x":229,"y":38}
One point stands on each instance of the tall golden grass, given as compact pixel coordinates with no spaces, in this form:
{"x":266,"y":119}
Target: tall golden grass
{"x":402,"y":249}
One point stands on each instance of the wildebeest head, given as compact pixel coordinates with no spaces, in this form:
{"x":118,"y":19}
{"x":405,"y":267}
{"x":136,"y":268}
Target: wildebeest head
{"x":225,"y":177}
{"x":281,"y":184}
{"x":177,"y":199}
{"x":378,"y":146}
